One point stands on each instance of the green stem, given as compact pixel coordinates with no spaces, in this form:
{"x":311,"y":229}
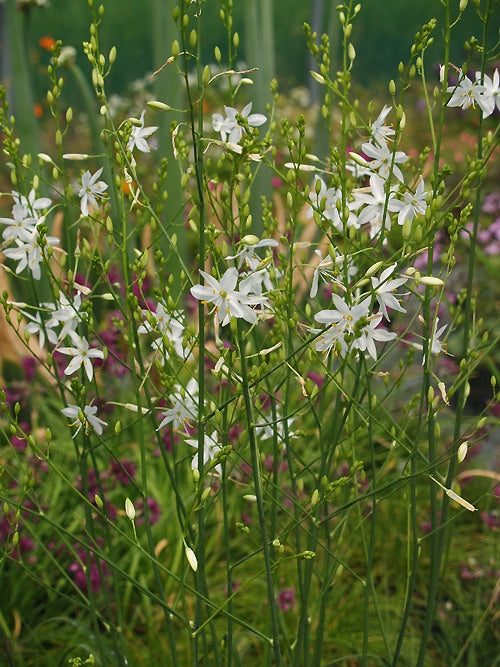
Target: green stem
{"x":169,"y":90}
{"x":257,"y":480}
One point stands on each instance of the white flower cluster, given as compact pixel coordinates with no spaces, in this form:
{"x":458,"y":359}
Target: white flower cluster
{"x":229,"y":127}
{"x":23,"y":229}
{"x":60,"y":321}
{"x":246,"y":299}
{"x":168,"y":330}
{"x":372,"y":205}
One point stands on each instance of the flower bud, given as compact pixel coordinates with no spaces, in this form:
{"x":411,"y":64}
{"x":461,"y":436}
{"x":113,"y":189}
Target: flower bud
{"x":462,"y":451}
{"x":191,"y":557}
{"x":129,"y":509}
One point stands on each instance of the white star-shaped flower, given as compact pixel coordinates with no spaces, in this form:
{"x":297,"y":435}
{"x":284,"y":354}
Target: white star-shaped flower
{"x":81,"y":354}
{"x":90,"y":190}
{"x":90,"y":421}
{"x":138,"y":136}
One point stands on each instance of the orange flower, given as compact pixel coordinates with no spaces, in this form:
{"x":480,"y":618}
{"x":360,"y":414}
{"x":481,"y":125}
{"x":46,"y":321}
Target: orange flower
{"x":47,"y":42}
{"x":38,"y":110}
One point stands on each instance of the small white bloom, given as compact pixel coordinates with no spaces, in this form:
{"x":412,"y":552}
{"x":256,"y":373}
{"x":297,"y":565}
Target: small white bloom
{"x":413,"y":204}
{"x":226,"y":299}
{"x":28,"y":253}
{"x":323,"y":270}
{"x":342,"y":322}
{"x":81,"y":354}
{"x":169,"y":327}
{"x":20,"y":226}
{"x":370,"y":333}
{"x":383,"y":291}
{"x":31,"y":203}
{"x":246,"y":255}
{"x":210,"y":448}
{"x":490,"y":96}
{"x":90,"y":421}
{"x":64,"y":312}
{"x":379,"y":131}
{"x":382,"y":159}
{"x":37,"y":328}
{"x":375,"y":205}
{"x":90,"y":190}
{"x":324,"y":200}
{"x":465,"y":94}
{"x":138,"y":136}
{"x":436,"y":345}
{"x":230,"y":130}
{"x":183,"y":410}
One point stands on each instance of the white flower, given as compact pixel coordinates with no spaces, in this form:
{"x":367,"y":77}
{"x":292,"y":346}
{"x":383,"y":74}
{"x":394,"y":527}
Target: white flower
{"x":65,"y":312}
{"x":229,"y":128}
{"x":91,"y":188}
{"x":138,"y":136}
{"x":331,"y":271}
{"x":226,"y":299}
{"x":37,"y":328}
{"x":246,"y":255}
{"x":380,"y":132}
{"x":266,"y":429}
{"x":382,"y":159}
{"x":183,"y":410}
{"x":465,"y":93}
{"x":325,"y":201}
{"x":20,"y":226}
{"x":82,"y":355}
{"x":31,"y":203}
{"x":29,"y":253}
{"x":375,"y":207}
{"x":343,"y":317}
{"x":252,"y":283}
{"x":413,"y":204}
{"x":169,"y":327}
{"x":383,"y":289}
{"x":370,"y":333}
{"x":323,"y":270}
{"x":490,"y":96}
{"x":341,"y":322}
{"x":210,"y":448}
{"x":436,"y":346}
{"x":90,"y":421}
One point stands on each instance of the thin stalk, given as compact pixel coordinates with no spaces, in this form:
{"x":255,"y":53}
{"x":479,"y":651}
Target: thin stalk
{"x":168,"y":90}
{"x":197,"y":136}
{"x":257,"y":480}
{"x":440,"y":536}
{"x":260,"y":53}
{"x":369,"y":548}
{"x":134,"y":336}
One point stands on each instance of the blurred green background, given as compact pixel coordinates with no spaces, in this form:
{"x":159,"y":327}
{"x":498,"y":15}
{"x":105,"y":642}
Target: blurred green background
{"x":382,"y":35}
